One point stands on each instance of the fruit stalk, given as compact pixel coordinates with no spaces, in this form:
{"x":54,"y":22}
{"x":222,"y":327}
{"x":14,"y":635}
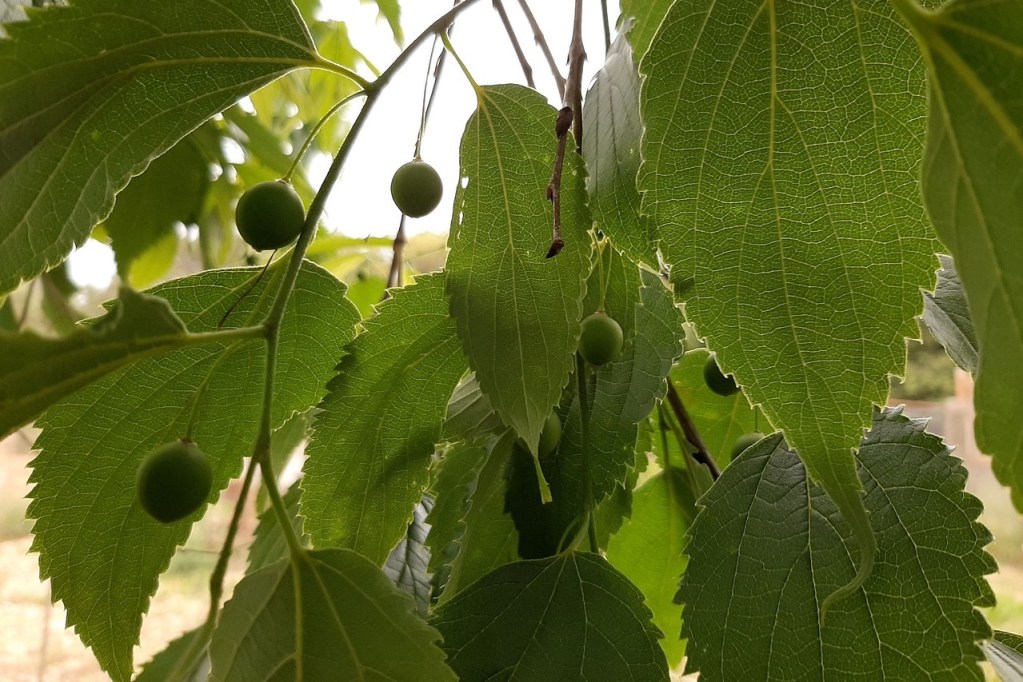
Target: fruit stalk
{"x":689,"y":429}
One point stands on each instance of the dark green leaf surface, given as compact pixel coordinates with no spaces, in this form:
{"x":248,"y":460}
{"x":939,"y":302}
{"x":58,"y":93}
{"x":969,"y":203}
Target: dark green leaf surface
{"x":947,"y":314}
{"x":1011,"y":640}
{"x":171,"y":190}
{"x":571,"y":617}
{"x":488,"y":538}
{"x":407,"y":565}
{"x":611,"y":149}
{"x":102,"y":553}
{"x":36,"y":372}
{"x":517,"y":311}
{"x":973,"y":186}
{"x":621,"y":394}
{"x":162,"y":667}
{"x":770,"y":545}
{"x":459,"y":469}
{"x":324,"y":615}
{"x":782,"y":179}
{"x":648,"y":551}
{"x":372,"y":442}
{"x":95,"y":91}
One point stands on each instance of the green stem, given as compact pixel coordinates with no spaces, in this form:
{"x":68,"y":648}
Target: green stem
{"x":584,"y":411}
{"x":190,"y":660}
{"x":316,"y":129}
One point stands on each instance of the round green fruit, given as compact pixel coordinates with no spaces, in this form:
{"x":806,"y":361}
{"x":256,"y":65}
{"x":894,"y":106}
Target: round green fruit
{"x":717,"y":381}
{"x":173,"y":481}
{"x":416,"y":188}
{"x":269,"y":215}
{"x":744,"y":441}
{"x":550,"y":435}
{"x":600,"y":339}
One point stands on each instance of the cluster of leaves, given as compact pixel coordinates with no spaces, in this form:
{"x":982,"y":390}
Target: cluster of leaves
{"x":760,"y":163}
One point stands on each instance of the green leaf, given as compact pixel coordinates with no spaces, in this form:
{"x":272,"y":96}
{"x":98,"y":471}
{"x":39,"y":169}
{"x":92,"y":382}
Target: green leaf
{"x":622,"y":393}
{"x":611,"y":149}
{"x":770,"y":545}
{"x":459,"y":469}
{"x":268,"y":542}
{"x":470,"y":415}
{"x":164,"y":664}
{"x":973,"y":187}
{"x":369,"y":456}
{"x":720,"y":420}
{"x":171,"y":190}
{"x":488,"y":538}
{"x":390,"y":10}
{"x":648,"y":551}
{"x":1011,"y":640}
{"x":780,"y":175}
{"x":36,"y":372}
{"x":323,"y":615}
{"x":567,"y":617}
{"x":94,"y":91}
{"x":102,"y":553}
{"x":517,"y":311}
{"x":407,"y":564}
{"x":647,"y":16}
{"x":947,"y":314}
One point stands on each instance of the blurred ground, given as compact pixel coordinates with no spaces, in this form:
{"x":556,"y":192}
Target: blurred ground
{"x":35,"y":647}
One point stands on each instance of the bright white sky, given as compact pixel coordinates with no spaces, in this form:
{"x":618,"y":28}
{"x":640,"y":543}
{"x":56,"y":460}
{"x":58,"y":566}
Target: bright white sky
{"x":360,"y":204}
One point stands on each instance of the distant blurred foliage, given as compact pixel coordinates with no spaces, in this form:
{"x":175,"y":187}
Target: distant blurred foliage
{"x":929,"y":372}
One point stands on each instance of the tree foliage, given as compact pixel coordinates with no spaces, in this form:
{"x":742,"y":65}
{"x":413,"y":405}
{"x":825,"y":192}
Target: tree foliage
{"x":784,"y":179}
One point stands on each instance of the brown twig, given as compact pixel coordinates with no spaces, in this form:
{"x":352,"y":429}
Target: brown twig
{"x":396,"y":275}
{"x":527,"y":70}
{"x":541,"y":41}
{"x":569,"y":117}
{"x":689,"y":429}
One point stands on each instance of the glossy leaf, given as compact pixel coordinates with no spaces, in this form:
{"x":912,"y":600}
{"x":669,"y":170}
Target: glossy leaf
{"x":101,"y":552}
{"x":566,"y":617}
{"x":369,"y":456}
{"x":780,"y":176}
{"x":407,"y":564}
{"x":36,"y":372}
{"x":326,"y":615}
{"x":769,"y":546}
{"x":93,"y":92}
{"x":648,"y":551}
{"x":947,"y":314}
{"x":611,"y":149}
{"x":516,"y":310}
{"x":1003,"y":652}
{"x":973,"y":186}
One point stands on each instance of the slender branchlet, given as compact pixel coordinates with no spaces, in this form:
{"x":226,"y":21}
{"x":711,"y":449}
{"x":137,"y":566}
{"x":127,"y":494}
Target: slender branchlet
{"x":527,"y":70}
{"x":700,"y":453}
{"x":569,"y":117}
{"x":541,"y":41}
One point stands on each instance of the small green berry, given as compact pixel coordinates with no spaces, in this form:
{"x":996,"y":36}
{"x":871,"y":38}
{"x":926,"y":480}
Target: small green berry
{"x":416,"y":188}
{"x":269,"y":215}
{"x":550,"y":435}
{"x":744,"y":441}
{"x":717,"y":381}
{"x":173,"y":481}
{"x":600,"y":339}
